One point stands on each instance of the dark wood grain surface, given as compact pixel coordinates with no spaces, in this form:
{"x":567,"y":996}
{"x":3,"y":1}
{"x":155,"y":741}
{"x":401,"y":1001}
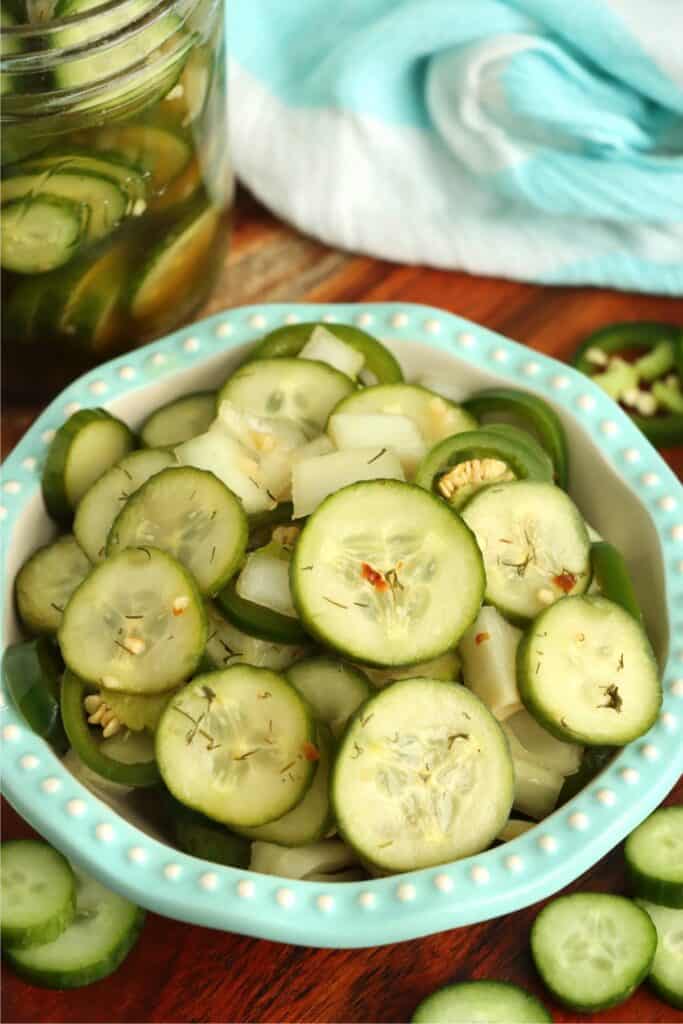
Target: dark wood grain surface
{"x":179,"y":973}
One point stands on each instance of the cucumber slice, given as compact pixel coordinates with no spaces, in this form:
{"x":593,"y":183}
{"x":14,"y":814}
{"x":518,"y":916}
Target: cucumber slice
{"x":101,"y":504}
{"x":104,"y":930}
{"x":534,"y":544}
{"x":104,"y":760}
{"x":496,"y":1002}
{"x":179,"y":420}
{"x":592,"y":950}
{"x":86,"y":446}
{"x":293,"y":389}
{"x":373,"y":570}
{"x":333,"y":690}
{"x":612,"y":578}
{"x":259,"y":621}
{"x":666,"y":973}
{"x":193,"y":516}
{"x":447,"y":666}
{"x":329,"y":857}
{"x":423,"y":775}
{"x":227,"y":645}
{"x":654,"y":858}
{"x":288,"y":342}
{"x":38,"y":893}
{"x":174,"y":264}
{"x":488,"y":650}
{"x":395,"y":433}
{"x":316,"y":478}
{"x":434,"y":416}
{"x":85,"y":303}
{"x":324,"y":347}
{"x":46,"y":581}
{"x":311,"y":819}
{"x":82,"y":161}
{"x":162,"y":154}
{"x":103,"y":202}
{"x":610,"y":691}
{"x":136,"y":624}
{"x":40,"y":233}
{"x":203,"y":838}
{"x":235,"y":746}
{"x":31,"y":672}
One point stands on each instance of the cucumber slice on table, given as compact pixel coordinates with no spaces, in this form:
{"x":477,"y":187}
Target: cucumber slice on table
{"x":85,"y":447}
{"x":610,"y":692}
{"x":334,"y":690}
{"x":101,"y":504}
{"x":288,"y":342}
{"x":592,"y":950}
{"x":102,"y":201}
{"x":172,"y":266}
{"x":435,"y":416}
{"x":666,"y":973}
{"x":31,"y":672}
{"x":373,"y":574}
{"x":104,"y":930}
{"x":296,"y":389}
{"x":41,"y":233}
{"x":534,"y":544}
{"x":96,"y":754}
{"x":201,"y":837}
{"x":38,"y":893}
{"x":654,"y":858}
{"x":423,"y":775}
{"x":238,"y":746}
{"x":162,"y":154}
{"x":136,"y":624}
{"x":496,"y":1002}
{"x":193,"y":516}
{"x":227,"y":645}
{"x":311,"y":819}
{"x":613,"y":579}
{"x":179,"y":420}
{"x":46,"y":581}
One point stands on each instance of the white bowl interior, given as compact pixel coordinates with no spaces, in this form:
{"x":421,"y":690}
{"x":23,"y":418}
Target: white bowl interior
{"x":611,"y":507}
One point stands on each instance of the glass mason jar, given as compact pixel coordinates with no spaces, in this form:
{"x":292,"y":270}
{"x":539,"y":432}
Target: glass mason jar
{"x":116,"y":180}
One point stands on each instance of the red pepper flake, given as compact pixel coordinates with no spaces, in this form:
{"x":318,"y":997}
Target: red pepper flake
{"x":311,"y":753}
{"x":374,"y":577}
{"x":481,"y":638}
{"x":566,"y":581}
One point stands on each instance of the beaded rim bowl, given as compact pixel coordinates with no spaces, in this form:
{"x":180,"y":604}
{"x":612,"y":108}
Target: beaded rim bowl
{"x":637,"y":496}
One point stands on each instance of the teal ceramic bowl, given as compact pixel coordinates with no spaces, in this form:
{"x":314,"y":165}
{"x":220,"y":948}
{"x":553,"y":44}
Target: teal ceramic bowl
{"x":625,"y":490}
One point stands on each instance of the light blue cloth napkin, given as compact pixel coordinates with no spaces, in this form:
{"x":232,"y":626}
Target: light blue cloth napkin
{"x":533,"y":139}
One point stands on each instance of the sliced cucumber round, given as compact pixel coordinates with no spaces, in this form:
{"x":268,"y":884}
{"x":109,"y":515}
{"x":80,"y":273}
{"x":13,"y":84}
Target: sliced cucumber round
{"x":288,"y":342}
{"x":238,"y":746}
{"x":101,"y":200}
{"x":334,"y":690}
{"x":46,"y":581}
{"x":534,"y":544}
{"x":311,"y":819}
{"x":162,"y":154}
{"x":31,"y":672}
{"x":373,"y":570}
{"x":258,"y":621}
{"x":92,"y":751}
{"x":179,"y":420}
{"x":203,"y":838}
{"x":227,"y":645}
{"x":654,"y":858}
{"x":38,"y":893}
{"x":592,"y":950}
{"x":193,"y":516}
{"x":294,"y":389}
{"x":423,"y":775}
{"x":610,"y":691}
{"x":100,"y":505}
{"x":41,"y":233}
{"x":82,"y":161}
{"x":435,"y":416}
{"x":86,"y":446}
{"x":496,"y":1002}
{"x":104,"y":930}
{"x":136,"y":624}
{"x":666,"y":973}
{"x":85,"y":303}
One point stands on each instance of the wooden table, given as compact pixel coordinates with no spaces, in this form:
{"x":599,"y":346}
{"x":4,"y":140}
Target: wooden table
{"x":186,"y":974}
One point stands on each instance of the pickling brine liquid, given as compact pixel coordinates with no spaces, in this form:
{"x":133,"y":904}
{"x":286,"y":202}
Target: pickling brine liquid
{"x":116,"y":179}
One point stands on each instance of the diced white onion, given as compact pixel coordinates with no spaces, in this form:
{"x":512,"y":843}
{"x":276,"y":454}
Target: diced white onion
{"x":314,"y":479}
